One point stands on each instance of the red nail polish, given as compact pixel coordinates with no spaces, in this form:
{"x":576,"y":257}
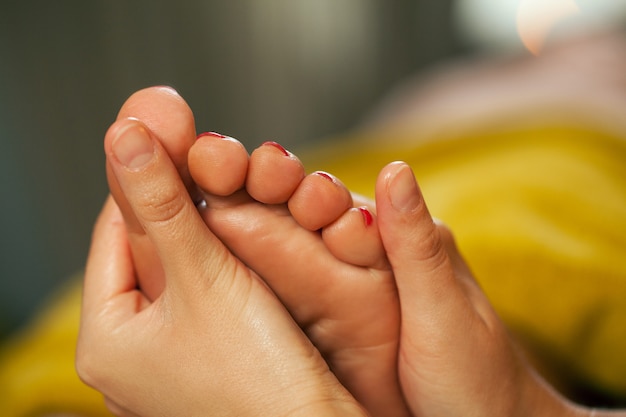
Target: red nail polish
{"x":367,"y":216}
{"x":325,"y":175}
{"x":211,"y":134}
{"x":277,"y":146}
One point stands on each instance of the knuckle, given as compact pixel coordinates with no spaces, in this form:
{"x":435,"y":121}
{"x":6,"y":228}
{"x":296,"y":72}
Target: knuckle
{"x":445,"y":232}
{"x":428,"y":249}
{"x":86,"y":367}
{"x":433,"y":250}
{"x":161,"y":205}
{"x":90,"y":361}
{"x":114,"y":408}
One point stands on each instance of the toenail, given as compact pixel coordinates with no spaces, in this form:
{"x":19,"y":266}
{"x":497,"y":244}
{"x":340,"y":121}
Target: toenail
{"x":211,"y":134}
{"x":133,"y":147}
{"x":277,"y":146}
{"x":367,"y":216}
{"x":325,"y":176}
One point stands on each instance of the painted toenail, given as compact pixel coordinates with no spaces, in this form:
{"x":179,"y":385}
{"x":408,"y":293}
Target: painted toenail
{"x":211,"y":134}
{"x":325,"y":176}
{"x":277,"y":146}
{"x":133,"y":147}
{"x":402,"y":189}
{"x":367,"y":216}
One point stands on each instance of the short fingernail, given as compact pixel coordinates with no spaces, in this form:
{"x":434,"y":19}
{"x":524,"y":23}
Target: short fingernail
{"x":133,"y":147}
{"x":402,"y":189}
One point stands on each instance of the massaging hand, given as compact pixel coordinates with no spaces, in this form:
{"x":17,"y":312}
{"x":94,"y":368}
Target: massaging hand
{"x":456,"y":357}
{"x":216,"y":342}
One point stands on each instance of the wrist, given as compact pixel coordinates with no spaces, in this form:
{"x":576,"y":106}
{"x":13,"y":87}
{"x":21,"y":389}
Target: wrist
{"x":541,"y":400}
{"x":330,"y":408}
{"x":315,"y":393}
{"x":328,"y":399}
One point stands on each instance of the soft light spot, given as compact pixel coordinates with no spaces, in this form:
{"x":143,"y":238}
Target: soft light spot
{"x":536,"y":19}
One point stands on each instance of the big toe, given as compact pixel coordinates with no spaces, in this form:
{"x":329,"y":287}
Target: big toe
{"x":171,"y":122}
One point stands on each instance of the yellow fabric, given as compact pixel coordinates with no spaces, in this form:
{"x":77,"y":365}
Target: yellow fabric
{"x":37,"y":376}
{"x":540,"y":214}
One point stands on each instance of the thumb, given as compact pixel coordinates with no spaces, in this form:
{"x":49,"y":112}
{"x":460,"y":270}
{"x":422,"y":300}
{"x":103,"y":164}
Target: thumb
{"x":428,"y":288}
{"x":190,"y":254}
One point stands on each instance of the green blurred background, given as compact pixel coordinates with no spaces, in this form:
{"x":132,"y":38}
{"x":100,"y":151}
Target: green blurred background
{"x":284,"y":70}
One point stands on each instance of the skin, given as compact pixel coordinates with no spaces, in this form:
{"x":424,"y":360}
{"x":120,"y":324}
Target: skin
{"x":216,"y":341}
{"x":171,"y":122}
{"x":441,"y":374}
{"x":280,"y":200}
{"x":322,"y":257}
{"x":456,"y":357}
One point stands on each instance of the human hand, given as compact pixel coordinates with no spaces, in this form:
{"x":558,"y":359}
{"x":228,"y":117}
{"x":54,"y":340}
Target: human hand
{"x":456,"y":357}
{"x":170,"y":120}
{"x":216,"y":341}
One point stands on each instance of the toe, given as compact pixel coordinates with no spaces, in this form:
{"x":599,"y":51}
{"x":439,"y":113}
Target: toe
{"x":274,"y":174}
{"x":170,"y":121}
{"x":166,"y":114}
{"x":319,"y":200}
{"x":353,"y":238}
{"x":218,"y":164}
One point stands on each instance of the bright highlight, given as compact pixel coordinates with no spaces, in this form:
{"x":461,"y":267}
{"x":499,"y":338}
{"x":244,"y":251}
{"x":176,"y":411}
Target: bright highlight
{"x":537,"y":18}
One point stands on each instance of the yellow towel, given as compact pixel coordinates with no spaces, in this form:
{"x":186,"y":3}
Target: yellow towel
{"x":37,"y":376}
{"x":540,"y":214}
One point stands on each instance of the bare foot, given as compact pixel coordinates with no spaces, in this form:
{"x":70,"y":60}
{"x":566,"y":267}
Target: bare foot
{"x":216,"y":341}
{"x":321,"y":256}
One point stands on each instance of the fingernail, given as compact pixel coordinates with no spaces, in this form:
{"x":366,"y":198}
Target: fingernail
{"x":211,"y":134}
{"x":133,"y":147}
{"x":277,"y":146}
{"x":402,"y":189}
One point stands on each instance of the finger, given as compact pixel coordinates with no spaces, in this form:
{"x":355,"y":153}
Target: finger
{"x":449,"y":243}
{"x":189,"y":252}
{"x":109,"y":271}
{"x":166,"y":114}
{"x":465,"y":278}
{"x":428,"y":289}
{"x":171,"y":121}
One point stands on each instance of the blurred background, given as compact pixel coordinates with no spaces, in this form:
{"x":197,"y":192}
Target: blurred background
{"x":292,"y":71}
